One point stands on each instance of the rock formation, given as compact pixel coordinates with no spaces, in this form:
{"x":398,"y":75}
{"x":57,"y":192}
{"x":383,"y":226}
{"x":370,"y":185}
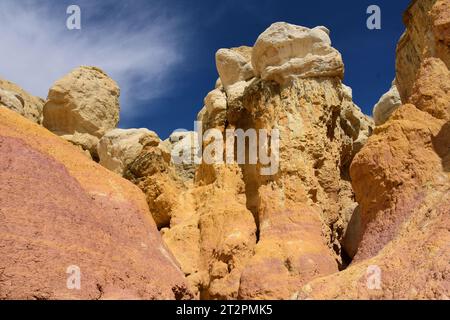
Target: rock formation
{"x":329,"y":207}
{"x":83,"y":106}
{"x":234,"y":65}
{"x":213,"y":113}
{"x":183,"y":147}
{"x":303,"y":210}
{"x":238,"y":233}
{"x":406,"y":162}
{"x":15,"y":98}
{"x":59,"y":209}
{"x":287,"y":51}
{"x":388,"y":103}
{"x":154,"y":173}
{"x":427,"y":35}
{"x":118,"y":148}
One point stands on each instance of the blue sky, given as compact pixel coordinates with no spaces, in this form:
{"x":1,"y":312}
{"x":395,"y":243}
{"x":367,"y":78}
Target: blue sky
{"x":162,"y":52}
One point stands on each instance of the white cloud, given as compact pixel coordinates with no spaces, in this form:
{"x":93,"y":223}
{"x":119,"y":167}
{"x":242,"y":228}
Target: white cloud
{"x":137,"y":48}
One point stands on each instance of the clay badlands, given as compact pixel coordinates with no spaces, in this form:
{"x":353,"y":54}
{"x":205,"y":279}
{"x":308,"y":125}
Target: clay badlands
{"x":352,"y":198}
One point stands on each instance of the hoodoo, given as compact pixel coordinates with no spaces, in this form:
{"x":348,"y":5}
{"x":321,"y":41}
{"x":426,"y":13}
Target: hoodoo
{"x":284,"y":190}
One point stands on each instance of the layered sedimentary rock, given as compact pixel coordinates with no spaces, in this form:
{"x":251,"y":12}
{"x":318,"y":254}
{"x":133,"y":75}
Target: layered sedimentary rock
{"x":239,"y":233}
{"x":404,"y":252}
{"x":323,"y":208}
{"x":431,"y":90}
{"x":303,"y":209}
{"x":405,"y":213}
{"x":214,"y":234}
{"x":427,"y":35}
{"x":15,"y":98}
{"x":60,"y":212}
{"x":388,"y":103}
{"x":206,"y":226}
{"x":82,"y":106}
{"x":286,"y":51}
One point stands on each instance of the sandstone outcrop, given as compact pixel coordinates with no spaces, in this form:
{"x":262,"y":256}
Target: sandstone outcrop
{"x":388,"y":103}
{"x":302,"y":211}
{"x":284,"y":51}
{"x":213,"y":113}
{"x":15,"y":98}
{"x":324,"y":206}
{"x":234,"y":65}
{"x":213,"y":234}
{"x":162,"y":169}
{"x":183,"y":146}
{"x":404,"y":214}
{"x":118,"y":148}
{"x":83,"y":106}
{"x":431,"y":90}
{"x":238,"y":233}
{"x":59,"y":210}
{"x":153,"y":172}
{"x":427,"y":35}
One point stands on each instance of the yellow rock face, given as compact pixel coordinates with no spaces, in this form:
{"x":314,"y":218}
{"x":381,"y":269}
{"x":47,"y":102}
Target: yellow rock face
{"x":240,"y":234}
{"x":401,"y":179}
{"x":236,"y":232}
{"x":346,"y":212}
{"x":302,"y":211}
{"x":405,"y":213}
{"x":427,"y":35}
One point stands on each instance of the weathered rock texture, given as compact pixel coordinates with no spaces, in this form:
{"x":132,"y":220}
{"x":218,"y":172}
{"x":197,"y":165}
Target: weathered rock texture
{"x":234,"y":65}
{"x":303,"y":210}
{"x":401,"y":179}
{"x":59,"y":209}
{"x":339,"y":206}
{"x":238,"y":233}
{"x":285,"y":51}
{"x":213,"y":113}
{"x":119,"y":147}
{"x":387,"y":104}
{"x":427,"y":35}
{"x":82,"y":106}
{"x":154,"y":173}
{"x":183,"y":146}
{"x":15,"y":98}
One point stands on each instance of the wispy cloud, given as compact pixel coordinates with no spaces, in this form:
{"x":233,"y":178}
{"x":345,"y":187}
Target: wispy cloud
{"x":138,"y":43}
